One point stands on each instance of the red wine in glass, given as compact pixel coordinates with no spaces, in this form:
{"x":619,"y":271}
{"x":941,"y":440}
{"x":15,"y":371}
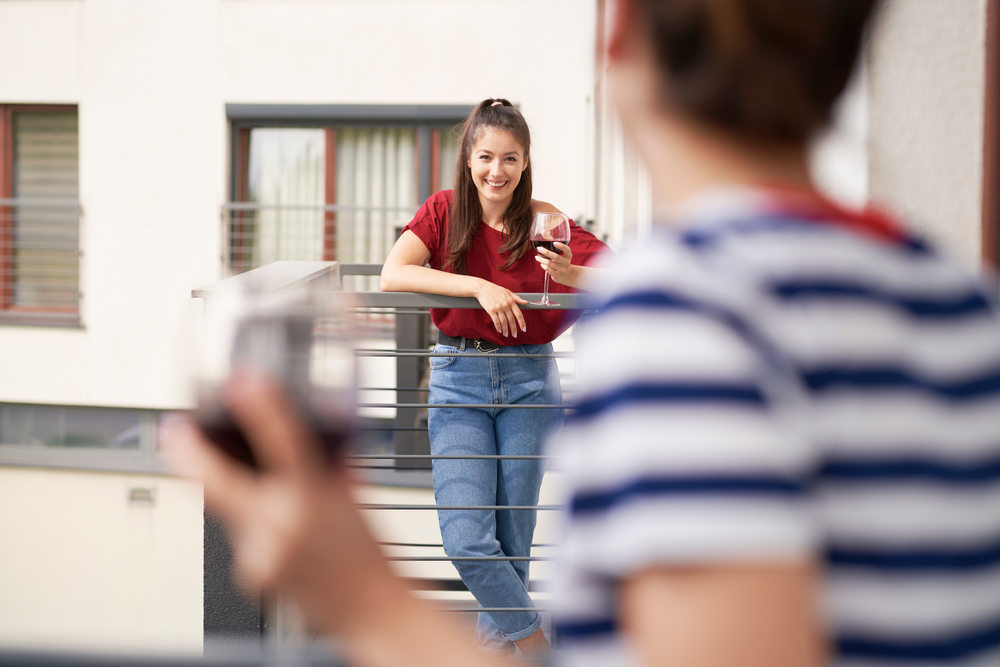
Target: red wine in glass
{"x":331,"y":426}
{"x":546,"y":229}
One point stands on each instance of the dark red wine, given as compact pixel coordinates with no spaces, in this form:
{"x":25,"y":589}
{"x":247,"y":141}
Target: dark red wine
{"x":329,"y":426}
{"x":548,"y":245}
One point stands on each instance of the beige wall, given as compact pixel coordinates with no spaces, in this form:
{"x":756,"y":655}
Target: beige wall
{"x":83,"y":567}
{"x":925,"y":92}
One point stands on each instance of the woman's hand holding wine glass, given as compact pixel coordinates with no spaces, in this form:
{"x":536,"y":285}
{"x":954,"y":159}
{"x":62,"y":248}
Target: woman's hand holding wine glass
{"x":558,"y":263}
{"x":547,"y":229}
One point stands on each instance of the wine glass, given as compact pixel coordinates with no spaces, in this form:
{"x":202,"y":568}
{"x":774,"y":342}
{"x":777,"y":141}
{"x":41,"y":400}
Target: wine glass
{"x":301,"y":338}
{"x":546,"y":229}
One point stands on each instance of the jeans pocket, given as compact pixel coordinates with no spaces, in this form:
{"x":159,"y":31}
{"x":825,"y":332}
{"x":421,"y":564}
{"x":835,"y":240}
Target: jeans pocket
{"x":437,"y":363}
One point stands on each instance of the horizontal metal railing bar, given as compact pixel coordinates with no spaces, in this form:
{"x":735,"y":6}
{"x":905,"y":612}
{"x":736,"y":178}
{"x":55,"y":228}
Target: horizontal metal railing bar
{"x":354,"y":269}
{"x":435,"y":545}
{"x":40,"y":314}
{"x":68,"y":272}
{"x":254,"y":206}
{"x":443,"y":585}
{"x":34,"y":229}
{"x":384,"y":429}
{"x":492,"y":609}
{"x":54,"y":245}
{"x":386,"y":310}
{"x":567,"y":300}
{"x":392,"y":428}
{"x":494,"y":457}
{"x":360,"y":352}
{"x":463,"y":559}
{"x":480,"y":406}
{"x":50,"y":294}
{"x":393,"y":389}
{"x":271,"y":277}
{"x":390,"y":506}
{"x":42,"y":202}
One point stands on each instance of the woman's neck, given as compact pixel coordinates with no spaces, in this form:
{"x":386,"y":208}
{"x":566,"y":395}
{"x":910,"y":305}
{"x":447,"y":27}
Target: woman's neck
{"x":687,"y":159}
{"x":493,"y":213}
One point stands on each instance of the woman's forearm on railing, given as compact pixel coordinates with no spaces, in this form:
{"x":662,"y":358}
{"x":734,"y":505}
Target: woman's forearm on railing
{"x":404,"y":270}
{"x":413,"y":278}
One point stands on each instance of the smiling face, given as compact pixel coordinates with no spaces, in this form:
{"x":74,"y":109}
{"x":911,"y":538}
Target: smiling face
{"x":496,"y":163}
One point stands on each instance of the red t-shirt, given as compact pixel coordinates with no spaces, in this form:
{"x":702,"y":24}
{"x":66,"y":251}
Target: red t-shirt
{"x":484,"y":260}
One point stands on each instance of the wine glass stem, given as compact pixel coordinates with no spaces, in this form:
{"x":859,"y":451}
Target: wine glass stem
{"x":545,"y":289}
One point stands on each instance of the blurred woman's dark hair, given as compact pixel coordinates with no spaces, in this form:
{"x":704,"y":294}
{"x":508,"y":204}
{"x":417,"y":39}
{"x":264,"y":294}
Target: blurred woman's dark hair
{"x":466,"y":211}
{"x":763,"y":69}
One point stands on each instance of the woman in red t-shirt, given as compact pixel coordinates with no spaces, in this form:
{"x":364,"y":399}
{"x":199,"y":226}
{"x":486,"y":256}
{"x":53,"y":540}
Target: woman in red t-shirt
{"x":474,"y":241}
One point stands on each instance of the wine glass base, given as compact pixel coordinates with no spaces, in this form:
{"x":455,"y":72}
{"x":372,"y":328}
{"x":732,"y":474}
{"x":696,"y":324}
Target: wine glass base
{"x":543,"y":302}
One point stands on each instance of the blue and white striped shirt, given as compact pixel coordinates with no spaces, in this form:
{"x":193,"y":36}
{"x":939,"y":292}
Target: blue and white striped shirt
{"x":764,"y":383}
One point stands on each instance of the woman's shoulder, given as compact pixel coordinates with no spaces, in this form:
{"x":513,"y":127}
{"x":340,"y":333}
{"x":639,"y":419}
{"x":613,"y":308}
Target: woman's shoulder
{"x":441,"y":197}
{"x":538,"y":206}
{"x":436,"y":208}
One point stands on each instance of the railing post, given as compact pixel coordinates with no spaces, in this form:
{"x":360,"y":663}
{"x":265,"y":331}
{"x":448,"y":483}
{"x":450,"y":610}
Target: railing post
{"x":411,"y":334}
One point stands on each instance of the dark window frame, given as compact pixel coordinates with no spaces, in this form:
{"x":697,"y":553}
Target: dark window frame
{"x":990,"y":225}
{"x":428,"y":120}
{"x":11,"y":314}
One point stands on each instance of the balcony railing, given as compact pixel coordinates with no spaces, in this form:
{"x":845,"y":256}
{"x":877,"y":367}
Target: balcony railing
{"x":393,"y":358}
{"x":39,"y":260}
{"x":255,"y":234}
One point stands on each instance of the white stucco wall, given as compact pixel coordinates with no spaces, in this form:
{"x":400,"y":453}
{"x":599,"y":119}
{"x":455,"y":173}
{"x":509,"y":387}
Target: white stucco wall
{"x":925,"y":92}
{"x":152,"y":79}
{"x":82,"y":568}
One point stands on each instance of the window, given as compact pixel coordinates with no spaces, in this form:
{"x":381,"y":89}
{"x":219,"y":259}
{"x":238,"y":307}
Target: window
{"x":71,"y":436}
{"x":39,"y":213}
{"x":331,"y":182}
{"x":68,"y":426}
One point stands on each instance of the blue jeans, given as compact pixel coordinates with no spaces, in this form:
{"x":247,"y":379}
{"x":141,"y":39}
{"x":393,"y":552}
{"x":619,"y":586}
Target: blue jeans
{"x":490,"y":378}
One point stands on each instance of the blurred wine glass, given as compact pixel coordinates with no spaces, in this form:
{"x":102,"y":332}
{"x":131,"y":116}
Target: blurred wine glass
{"x":301,"y":338}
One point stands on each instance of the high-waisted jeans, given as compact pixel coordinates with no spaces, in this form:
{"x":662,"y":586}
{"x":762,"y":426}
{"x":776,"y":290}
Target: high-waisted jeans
{"x":492,"y":378}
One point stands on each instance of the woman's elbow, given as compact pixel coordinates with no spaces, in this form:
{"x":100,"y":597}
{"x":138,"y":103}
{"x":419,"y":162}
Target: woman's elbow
{"x":386,"y":280}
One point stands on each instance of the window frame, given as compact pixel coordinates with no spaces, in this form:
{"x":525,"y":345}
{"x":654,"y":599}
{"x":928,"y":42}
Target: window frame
{"x":141,"y":459}
{"x":11,"y":314}
{"x":428,"y":121}
{"x":990,"y":205}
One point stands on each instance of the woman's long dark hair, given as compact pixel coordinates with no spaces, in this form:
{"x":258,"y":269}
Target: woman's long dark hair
{"x":466,"y":211}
